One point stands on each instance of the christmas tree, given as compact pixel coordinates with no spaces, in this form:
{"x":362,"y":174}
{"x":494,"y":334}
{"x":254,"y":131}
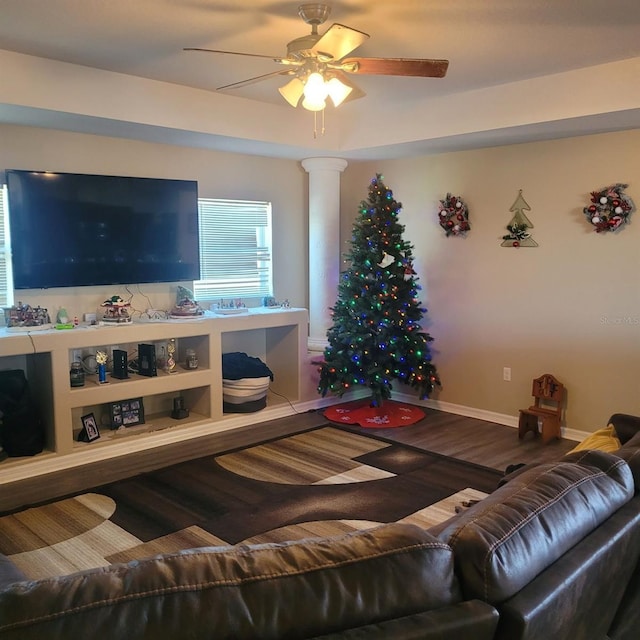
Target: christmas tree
{"x":376,"y":335}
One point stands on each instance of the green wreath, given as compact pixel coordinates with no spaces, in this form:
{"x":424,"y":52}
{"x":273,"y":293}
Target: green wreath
{"x":610,"y":208}
{"x":454,"y":216}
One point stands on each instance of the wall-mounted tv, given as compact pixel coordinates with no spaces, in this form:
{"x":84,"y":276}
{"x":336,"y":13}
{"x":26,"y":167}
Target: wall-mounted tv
{"x":71,"y":230}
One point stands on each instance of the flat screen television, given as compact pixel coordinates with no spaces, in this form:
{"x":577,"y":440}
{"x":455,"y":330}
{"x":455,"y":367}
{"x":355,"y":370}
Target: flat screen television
{"x":71,"y":230}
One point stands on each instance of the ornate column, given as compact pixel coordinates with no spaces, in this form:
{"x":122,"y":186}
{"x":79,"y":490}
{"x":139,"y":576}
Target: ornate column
{"x":324,"y":244}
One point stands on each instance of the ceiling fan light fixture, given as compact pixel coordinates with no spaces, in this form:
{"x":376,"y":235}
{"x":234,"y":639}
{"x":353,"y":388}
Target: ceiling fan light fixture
{"x":292,"y":91}
{"x":314,"y":105}
{"x":338,"y":91}
{"x":315,"y":92}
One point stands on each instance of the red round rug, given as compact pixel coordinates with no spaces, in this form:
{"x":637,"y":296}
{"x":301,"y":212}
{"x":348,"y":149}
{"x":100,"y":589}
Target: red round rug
{"x":390,"y":414}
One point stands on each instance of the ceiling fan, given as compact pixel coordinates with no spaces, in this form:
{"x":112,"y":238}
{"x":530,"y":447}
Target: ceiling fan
{"x":320,"y":68}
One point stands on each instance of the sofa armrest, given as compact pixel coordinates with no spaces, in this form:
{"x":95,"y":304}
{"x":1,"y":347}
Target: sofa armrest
{"x":627,"y":621}
{"x":626,"y":425}
{"x":504,"y":541}
{"x":578,"y":596}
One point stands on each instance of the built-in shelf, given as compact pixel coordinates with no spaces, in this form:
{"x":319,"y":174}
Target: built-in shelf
{"x":277,"y":336}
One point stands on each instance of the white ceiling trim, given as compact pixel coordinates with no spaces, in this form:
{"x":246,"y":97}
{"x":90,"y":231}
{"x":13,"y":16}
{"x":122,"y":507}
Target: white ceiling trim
{"x":55,"y":94}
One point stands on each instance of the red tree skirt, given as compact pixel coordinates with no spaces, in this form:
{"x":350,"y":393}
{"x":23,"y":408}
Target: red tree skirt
{"x":390,"y":414}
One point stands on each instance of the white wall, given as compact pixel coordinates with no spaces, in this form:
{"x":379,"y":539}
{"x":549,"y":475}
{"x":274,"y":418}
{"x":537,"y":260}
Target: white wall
{"x":570,"y":307}
{"x":219,"y":175}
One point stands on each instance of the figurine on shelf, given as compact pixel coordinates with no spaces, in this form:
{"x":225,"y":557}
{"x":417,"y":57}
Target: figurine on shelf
{"x":231,"y":307}
{"x":101,"y":359}
{"x":170,"y":365}
{"x":186,"y":306}
{"x":62,"y":316}
{"x":116,"y":311}
{"x":23,"y":316}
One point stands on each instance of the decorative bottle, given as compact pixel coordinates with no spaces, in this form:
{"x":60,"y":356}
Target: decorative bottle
{"x":76,"y":375}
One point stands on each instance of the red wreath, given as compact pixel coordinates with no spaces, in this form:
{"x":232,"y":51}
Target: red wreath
{"x":610,"y":208}
{"x":454,"y":216}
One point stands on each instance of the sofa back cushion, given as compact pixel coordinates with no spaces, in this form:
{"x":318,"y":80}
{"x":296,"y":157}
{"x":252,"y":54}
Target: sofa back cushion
{"x":626,"y":425}
{"x":508,"y":538}
{"x":294,"y":590}
{"x":630,"y":453}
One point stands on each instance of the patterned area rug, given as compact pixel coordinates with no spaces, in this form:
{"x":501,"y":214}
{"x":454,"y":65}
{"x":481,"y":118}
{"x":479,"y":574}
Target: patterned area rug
{"x":321,"y":482}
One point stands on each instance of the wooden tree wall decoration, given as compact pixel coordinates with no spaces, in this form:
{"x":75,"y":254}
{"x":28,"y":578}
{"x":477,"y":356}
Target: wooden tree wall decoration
{"x":519,"y":226}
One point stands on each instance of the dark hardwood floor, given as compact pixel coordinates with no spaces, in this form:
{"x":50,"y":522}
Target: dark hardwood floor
{"x":478,"y":441}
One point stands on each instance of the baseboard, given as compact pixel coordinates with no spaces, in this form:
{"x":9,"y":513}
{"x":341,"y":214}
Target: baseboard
{"x":480,"y":414}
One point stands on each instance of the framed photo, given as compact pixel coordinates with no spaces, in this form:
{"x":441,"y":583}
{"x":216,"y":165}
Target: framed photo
{"x":126,"y":413}
{"x":90,"y":431}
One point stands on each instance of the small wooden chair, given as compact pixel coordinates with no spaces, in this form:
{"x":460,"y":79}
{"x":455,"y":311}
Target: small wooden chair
{"x":549,"y":397}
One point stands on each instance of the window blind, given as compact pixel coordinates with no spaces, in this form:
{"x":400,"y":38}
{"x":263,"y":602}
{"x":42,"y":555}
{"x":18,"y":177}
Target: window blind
{"x":6,"y":294}
{"x":235,"y":250}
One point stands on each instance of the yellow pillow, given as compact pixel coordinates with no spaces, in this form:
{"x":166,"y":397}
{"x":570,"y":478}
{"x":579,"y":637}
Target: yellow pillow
{"x":602,"y":440}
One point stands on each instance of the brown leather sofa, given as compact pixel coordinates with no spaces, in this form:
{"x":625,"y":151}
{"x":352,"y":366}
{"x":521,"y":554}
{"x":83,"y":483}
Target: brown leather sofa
{"x":552,"y":553}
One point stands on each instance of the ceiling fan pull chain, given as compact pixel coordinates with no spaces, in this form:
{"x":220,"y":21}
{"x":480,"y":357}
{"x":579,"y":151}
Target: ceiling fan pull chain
{"x":315,"y":123}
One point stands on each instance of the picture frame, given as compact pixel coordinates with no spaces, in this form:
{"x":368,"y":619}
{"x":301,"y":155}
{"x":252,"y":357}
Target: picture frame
{"x":90,"y":431}
{"x":126,"y":413}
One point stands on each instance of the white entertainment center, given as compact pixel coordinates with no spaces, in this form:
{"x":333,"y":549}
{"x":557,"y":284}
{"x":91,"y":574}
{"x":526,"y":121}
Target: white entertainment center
{"x":278,"y":336}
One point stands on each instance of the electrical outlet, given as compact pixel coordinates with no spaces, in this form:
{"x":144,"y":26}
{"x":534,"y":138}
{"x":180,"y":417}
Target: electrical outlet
{"x":506,"y":374}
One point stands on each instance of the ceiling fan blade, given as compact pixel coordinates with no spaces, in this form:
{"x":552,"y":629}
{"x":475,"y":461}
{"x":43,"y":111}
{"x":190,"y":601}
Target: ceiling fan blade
{"x":248,"y":81}
{"x":234,"y":53}
{"x":396,"y":67}
{"x":337,"y":42}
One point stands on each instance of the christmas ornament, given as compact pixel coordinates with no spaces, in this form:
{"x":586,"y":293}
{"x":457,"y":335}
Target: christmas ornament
{"x":409,"y":272}
{"x":386,"y":260}
{"x":454,"y":216}
{"x":519,"y":235}
{"x":610,"y":208}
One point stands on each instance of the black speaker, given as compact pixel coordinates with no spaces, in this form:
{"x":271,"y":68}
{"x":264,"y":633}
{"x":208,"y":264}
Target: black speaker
{"x":179,"y":412}
{"x":120,"y":364}
{"x":147,"y":360}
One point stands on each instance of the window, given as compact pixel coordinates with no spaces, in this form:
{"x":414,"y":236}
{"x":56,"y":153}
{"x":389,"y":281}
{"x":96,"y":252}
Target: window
{"x":6,"y":291}
{"x":235,"y":250}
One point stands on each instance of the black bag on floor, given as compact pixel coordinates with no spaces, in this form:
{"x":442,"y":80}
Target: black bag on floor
{"x":21,"y":426}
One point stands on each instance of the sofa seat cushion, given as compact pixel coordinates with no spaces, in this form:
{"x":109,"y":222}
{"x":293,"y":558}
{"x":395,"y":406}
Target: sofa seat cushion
{"x":288,"y":590}
{"x":511,"y":536}
{"x":601,"y":440}
{"x":468,"y":620}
